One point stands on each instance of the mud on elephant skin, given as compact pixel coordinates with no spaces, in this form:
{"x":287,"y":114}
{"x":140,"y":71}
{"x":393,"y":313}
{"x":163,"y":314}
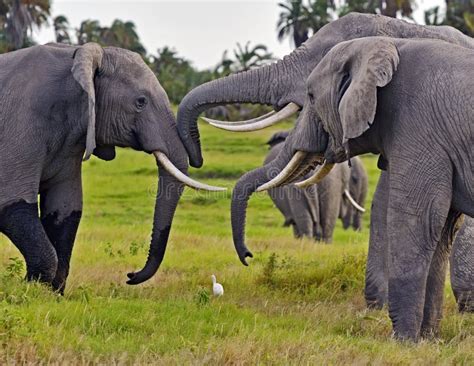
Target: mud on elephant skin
{"x":282,"y":84}
{"x":59,"y":105}
{"x":351,"y":96}
{"x":313,"y":211}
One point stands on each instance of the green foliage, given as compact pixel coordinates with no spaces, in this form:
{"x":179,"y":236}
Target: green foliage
{"x":458,"y":14}
{"x":15,"y":268}
{"x":202,"y":297}
{"x":176,"y":74}
{"x":17,"y":20}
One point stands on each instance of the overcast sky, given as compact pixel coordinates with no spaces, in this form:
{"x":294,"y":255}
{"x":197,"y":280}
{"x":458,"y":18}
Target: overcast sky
{"x":200,"y":30}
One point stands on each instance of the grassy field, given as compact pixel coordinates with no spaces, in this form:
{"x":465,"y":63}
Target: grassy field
{"x":297,"y":302}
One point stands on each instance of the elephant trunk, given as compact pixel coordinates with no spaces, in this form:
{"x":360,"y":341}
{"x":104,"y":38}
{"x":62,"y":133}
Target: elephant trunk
{"x":167,"y":197}
{"x":265,"y":85}
{"x":244,"y":87}
{"x":243,"y":189}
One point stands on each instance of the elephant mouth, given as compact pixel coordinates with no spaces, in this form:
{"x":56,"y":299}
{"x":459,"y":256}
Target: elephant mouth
{"x":166,"y":163}
{"x":258,"y":123}
{"x":299,"y":165}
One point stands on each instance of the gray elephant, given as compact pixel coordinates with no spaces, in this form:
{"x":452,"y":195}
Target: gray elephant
{"x":374,"y":95}
{"x":59,"y":105}
{"x":282,"y":85}
{"x":461,"y":259}
{"x":313,"y":211}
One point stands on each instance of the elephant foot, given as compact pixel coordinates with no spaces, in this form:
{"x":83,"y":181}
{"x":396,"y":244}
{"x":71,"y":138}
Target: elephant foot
{"x":406,"y":334}
{"x":59,"y":282}
{"x":43,"y":270}
{"x":375,"y":303}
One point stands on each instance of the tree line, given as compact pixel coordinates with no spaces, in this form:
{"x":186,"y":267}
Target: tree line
{"x":298,"y":20}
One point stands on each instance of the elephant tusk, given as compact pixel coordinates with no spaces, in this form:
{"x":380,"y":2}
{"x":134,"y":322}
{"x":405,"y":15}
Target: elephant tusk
{"x":286,"y":112}
{"x":175,"y":172}
{"x":316,"y":177}
{"x":353,"y":202}
{"x":285,"y":174}
{"x":236,"y":123}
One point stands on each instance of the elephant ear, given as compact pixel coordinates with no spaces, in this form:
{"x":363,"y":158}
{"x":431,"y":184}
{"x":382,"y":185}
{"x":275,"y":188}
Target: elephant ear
{"x":87,"y":60}
{"x":371,"y":64}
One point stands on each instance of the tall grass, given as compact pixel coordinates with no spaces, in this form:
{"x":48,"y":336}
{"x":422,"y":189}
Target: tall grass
{"x":297,"y":302}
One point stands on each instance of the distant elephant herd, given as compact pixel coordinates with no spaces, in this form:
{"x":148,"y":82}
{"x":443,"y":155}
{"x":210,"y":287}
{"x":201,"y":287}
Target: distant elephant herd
{"x":362,"y":84}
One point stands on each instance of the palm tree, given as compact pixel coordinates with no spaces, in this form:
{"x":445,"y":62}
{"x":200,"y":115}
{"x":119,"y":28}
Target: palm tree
{"x":89,"y":31}
{"x":248,"y":57}
{"x":61,"y":29}
{"x":459,"y":14}
{"x":389,"y":8}
{"x":19,"y":17}
{"x":125,"y":36}
{"x":316,"y":15}
{"x":292,"y":22}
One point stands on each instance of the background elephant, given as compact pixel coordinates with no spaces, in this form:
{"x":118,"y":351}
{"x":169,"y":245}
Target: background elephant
{"x":63,"y":104}
{"x":313,"y":211}
{"x":349,"y":108}
{"x":461,"y":259}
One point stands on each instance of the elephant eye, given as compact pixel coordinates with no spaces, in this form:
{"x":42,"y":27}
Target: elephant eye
{"x":141,"y":102}
{"x":311,"y":97}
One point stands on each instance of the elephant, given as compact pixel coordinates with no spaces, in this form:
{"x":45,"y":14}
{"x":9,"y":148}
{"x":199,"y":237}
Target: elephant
{"x":313,"y":211}
{"x":374,"y":95}
{"x":282,"y":85}
{"x":59,"y":105}
{"x":461,"y":258}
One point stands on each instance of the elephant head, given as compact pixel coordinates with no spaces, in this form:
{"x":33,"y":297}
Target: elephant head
{"x":282,"y":84}
{"x":340,"y":107}
{"x":127,"y":107}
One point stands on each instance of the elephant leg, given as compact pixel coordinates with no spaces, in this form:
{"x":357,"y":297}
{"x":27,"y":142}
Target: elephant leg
{"x":329,"y":205}
{"x":21,"y":224}
{"x":376,"y":273}
{"x":462,"y":266}
{"x":433,"y":308}
{"x":300,"y":212}
{"x":61,"y":209}
{"x":416,"y":216}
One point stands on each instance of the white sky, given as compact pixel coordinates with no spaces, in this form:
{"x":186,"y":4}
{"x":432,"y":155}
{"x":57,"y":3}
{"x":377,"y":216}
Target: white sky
{"x":200,"y":30}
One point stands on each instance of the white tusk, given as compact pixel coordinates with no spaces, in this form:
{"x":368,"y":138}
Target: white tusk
{"x":235,"y":123}
{"x":353,"y":202}
{"x":179,"y":175}
{"x":292,"y":165}
{"x":286,"y":112}
{"x":316,"y":177}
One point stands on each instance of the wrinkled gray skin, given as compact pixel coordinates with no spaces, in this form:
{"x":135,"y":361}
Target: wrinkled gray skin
{"x":58,"y":103}
{"x":410,"y":102}
{"x":462,"y":266}
{"x":312,"y":212}
{"x":461,"y":259}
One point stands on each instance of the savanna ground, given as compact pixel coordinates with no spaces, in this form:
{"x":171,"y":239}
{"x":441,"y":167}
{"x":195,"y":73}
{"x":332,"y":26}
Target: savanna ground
{"x":297,"y":302}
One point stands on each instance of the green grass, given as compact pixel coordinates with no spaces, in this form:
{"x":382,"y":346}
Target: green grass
{"x":297,"y":302}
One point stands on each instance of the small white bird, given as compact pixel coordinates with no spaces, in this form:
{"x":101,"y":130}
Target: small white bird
{"x":217,"y":288}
